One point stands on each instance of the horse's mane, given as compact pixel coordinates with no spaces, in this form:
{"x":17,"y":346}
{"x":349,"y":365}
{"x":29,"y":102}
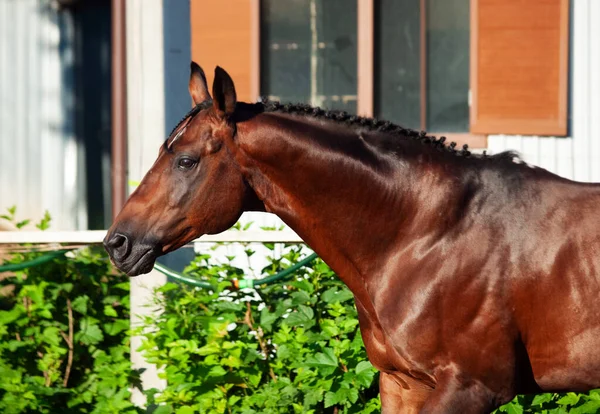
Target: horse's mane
{"x":373,"y":124}
{"x":355,"y":121}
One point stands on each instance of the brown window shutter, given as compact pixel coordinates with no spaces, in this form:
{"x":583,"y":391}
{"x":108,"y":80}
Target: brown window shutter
{"x":519,"y":63}
{"x":222,"y":36}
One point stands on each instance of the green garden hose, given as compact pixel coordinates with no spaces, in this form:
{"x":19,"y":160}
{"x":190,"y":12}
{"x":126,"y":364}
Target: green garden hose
{"x":14,"y":267}
{"x":251,"y":283}
{"x":182,"y":278}
{"x":240,"y":284}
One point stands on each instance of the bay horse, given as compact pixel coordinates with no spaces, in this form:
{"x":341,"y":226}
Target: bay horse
{"x":476,"y":277}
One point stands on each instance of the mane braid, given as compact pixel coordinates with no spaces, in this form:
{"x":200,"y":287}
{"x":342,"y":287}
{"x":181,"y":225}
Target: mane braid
{"x":374,"y":124}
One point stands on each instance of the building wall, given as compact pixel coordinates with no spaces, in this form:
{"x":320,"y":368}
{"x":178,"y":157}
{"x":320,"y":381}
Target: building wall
{"x":40,"y":158}
{"x":577,"y":156}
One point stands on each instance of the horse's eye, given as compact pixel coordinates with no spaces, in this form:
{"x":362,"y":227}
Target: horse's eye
{"x":185,"y":163}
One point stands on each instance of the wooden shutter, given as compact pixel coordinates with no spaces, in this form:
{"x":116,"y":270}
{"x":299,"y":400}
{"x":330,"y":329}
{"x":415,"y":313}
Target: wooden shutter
{"x":225,"y":33}
{"x":519,"y":63}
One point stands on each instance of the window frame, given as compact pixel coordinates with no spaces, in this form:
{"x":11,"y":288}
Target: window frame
{"x":365,"y":69}
{"x":366,"y":76}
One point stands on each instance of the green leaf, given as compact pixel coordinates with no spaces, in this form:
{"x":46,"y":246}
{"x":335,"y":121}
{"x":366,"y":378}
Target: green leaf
{"x":123,"y":286}
{"x":163,"y":409}
{"x":363,"y":366}
{"x":51,"y":335}
{"x":334,"y":294}
{"x":300,"y":298}
{"x":210,"y":348}
{"x":185,"y":410}
{"x":329,"y":327}
{"x":116,"y":327}
{"x":330,"y":399}
{"x":541,"y":398}
{"x":44,"y":223}
{"x":90,"y":333}
{"x":364,"y":373}
{"x":569,"y":399}
{"x":45,"y":313}
{"x":590,"y":407}
{"x":303,"y":285}
{"x":80,"y":304}
{"x":267,"y":318}
{"x":346,"y":395}
{"x":110,"y":311}
{"x":302,"y":315}
{"x":326,"y":361}
{"x":10,"y":316}
{"x":22,"y":224}
{"x":313,"y":397}
{"x":216,"y":371}
{"x":512,"y":408}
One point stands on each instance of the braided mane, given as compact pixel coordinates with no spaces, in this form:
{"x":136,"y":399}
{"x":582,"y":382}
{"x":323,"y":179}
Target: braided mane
{"x":373,"y":124}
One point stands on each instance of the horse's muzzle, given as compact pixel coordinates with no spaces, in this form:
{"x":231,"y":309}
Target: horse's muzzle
{"x":128,"y":256}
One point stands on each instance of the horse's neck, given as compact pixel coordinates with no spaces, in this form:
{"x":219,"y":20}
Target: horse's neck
{"x":346,"y":209}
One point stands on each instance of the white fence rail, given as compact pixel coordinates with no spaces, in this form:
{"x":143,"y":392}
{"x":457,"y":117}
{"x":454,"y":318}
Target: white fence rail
{"x":96,"y":237}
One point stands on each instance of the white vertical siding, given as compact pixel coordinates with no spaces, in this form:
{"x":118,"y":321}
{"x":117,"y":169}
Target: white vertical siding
{"x":145,"y":129}
{"x":578,"y":156}
{"x":39,"y":155}
{"x":594,"y":84}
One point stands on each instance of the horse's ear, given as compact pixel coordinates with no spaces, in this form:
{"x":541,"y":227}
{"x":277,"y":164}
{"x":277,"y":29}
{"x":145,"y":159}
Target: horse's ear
{"x":224,"y":93}
{"x":197,"y":86}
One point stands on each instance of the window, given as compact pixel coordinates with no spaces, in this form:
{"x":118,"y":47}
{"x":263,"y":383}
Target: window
{"x":422,"y":63}
{"x":461,"y":68}
{"x":308,"y":52}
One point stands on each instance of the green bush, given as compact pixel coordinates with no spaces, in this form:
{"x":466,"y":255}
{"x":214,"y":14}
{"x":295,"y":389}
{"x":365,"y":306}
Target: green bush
{"x":64,"y":337}
{"x":554,"y":403}
{"x":289,"y":347}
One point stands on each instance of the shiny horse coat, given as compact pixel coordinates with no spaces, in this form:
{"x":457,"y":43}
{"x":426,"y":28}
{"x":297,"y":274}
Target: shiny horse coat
{"x":475,"y":277}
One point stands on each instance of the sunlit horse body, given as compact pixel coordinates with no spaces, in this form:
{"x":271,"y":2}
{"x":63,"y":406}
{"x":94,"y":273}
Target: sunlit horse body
{"x":475,"y":277}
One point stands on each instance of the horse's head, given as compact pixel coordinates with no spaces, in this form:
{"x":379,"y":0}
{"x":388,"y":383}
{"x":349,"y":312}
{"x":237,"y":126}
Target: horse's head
{"x":193,"y":188}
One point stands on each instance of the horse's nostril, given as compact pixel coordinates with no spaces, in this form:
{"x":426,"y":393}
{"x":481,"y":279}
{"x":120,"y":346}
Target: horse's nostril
{"x":118,"y":246}
{"x":117,"y":241}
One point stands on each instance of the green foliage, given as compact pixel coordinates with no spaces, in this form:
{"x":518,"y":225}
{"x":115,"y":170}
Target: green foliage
{"x":64,"y":337}
{"x":548,"y":403}
{"x":44,"y":223}
{"x":11,"y":216}
{"x":288,"y":348}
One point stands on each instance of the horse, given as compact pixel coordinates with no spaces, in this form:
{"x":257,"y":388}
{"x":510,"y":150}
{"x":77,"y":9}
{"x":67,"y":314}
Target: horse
{"x":476,"y":277}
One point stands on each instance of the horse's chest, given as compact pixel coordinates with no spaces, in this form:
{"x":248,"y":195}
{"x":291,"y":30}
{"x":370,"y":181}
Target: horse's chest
{"x":382,"y":351}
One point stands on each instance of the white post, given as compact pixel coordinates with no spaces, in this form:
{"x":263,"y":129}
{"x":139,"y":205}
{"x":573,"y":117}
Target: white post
{"x":145,"y":130}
